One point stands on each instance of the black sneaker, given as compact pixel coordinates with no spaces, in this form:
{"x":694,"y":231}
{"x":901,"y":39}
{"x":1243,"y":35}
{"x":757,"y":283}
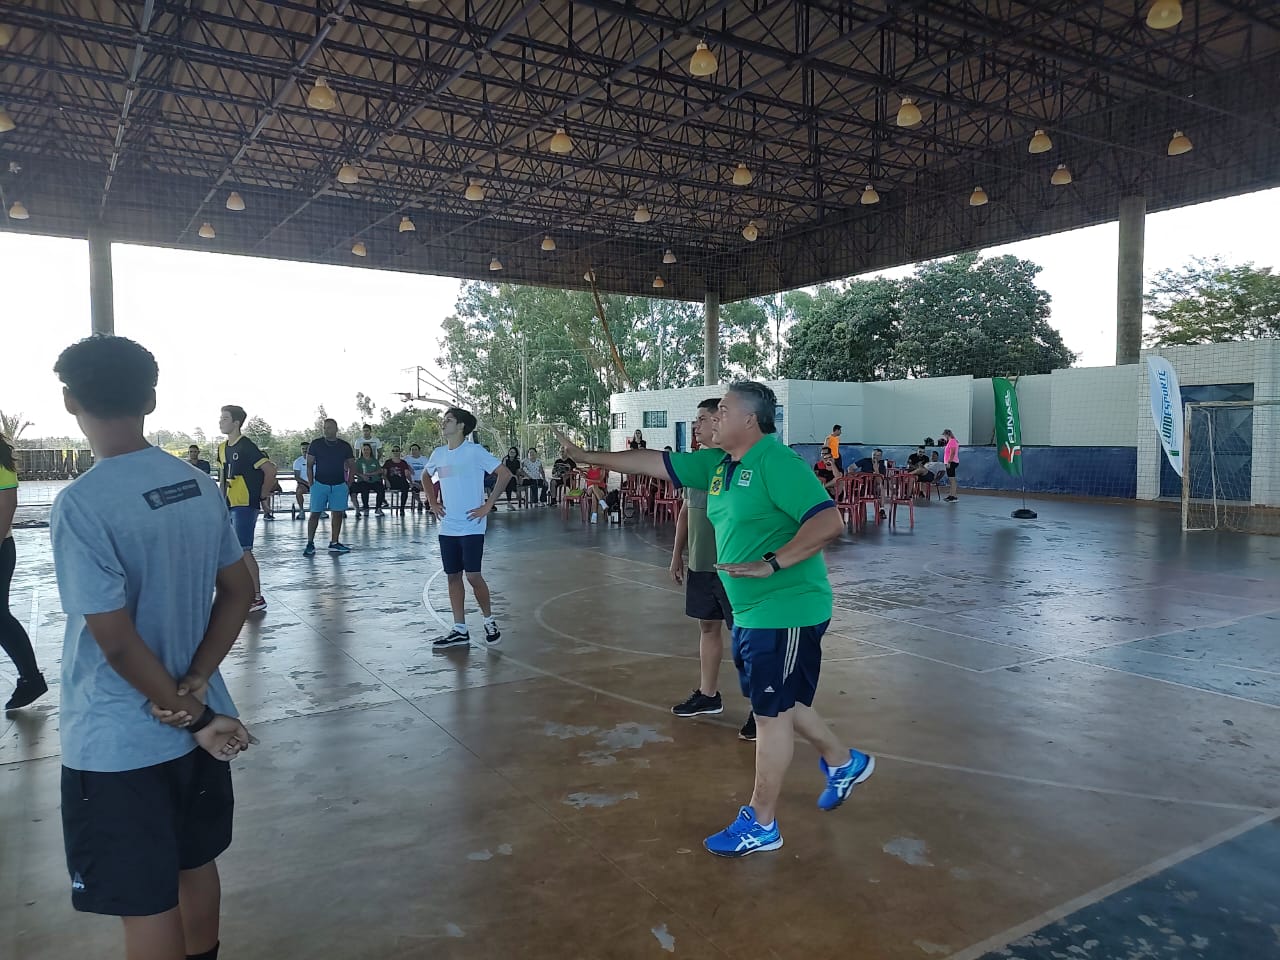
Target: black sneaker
{"x":697,"y":705}
{"x":952,"y":499}
{"x":748,"y":731}
{"x":492,"y":635}
{"x":27,"y":692}
{"x":454,"y":638}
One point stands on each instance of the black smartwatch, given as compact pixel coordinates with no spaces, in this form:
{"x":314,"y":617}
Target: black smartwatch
{"x":204,"y":720}
{"x":771,"y":558}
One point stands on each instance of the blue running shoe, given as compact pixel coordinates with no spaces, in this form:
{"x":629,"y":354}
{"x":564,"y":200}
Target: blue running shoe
{"x":339,"y":548}
{"x":842,"y":780}
{"x":744,"y":836}
{"x":309,"y":550}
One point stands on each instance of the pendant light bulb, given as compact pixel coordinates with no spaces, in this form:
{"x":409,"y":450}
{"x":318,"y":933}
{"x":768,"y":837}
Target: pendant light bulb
{"x":560,"y":142}
{"x":359,"y":249}
{"x":474,"y":192}
{"x":18,"y":211}
{"x":1164,"y":14}
{"x":235,"y":202}
{"x":1180,"y":144}
{"x":669,"y":257}
{"x":908,"y":113}
{"x":869,"y":196}
{"x":1040,"y":143}
{"x":548,"y":244}
{"x":742,"y":177}
{"x":206,"y":230}
{"x":750,"y":232}
{"x":642,"y":214}
{"x":978,"y":198}
{"x":658,"y":283}
{"x":703,"y":62}
{"x":322,"y":96}
{"x":6,"y":122}
{"x":589,"y":276}
{"x":1061,"y":177}
{"x":407,"y":225}
{"x":348,"y":174}
{"x":495,"y":264}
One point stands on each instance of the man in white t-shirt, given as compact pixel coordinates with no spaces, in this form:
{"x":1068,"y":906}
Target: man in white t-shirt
{"x":301,"y":488}
{"x":461,"y":466}
{"x":418,"y":464}
{"x":366,"y":436}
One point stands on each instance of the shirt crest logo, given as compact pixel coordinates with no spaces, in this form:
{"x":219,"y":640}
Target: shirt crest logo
{"x":744,"y":478}
{"x":717,"y":482}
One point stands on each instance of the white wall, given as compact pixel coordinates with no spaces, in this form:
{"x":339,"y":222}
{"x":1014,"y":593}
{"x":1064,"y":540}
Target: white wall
{"x":814,"y":407}
{"x":1088,"y":407}
{"x":904,"y":412}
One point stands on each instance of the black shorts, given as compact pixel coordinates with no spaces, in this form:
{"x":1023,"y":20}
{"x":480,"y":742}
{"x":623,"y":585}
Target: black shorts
{"x":704,"y":597}
{"x":462,"y":553}
{"x":128,"y":834}
{"x":951,"y":469}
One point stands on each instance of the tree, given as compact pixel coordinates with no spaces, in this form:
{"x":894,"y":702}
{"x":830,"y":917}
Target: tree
{"x":13,"y":425}
{"x":845,"y":335}
{"x":985,"y":318}
{"x":1209,"y":301}
{"x":259,"y":431}
{"x":364,"y":405}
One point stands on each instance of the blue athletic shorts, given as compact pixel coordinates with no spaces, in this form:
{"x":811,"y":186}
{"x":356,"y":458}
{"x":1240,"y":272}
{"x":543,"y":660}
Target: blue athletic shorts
{"x":462,"y":553}
{"x":778,"y":668}
{"x":243,"y":520}
{"x":325,"y":497}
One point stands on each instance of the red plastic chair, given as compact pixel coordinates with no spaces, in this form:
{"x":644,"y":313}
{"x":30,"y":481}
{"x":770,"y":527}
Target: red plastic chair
{"x":666,"y":502}
{"x":866,"y":490}
{"x":902,"y":489}
{"x":844,"y":499}
{"x":573,"y":480}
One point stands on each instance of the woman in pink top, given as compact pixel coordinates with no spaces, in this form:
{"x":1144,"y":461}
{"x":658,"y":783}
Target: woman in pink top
{"x":951,"y":457}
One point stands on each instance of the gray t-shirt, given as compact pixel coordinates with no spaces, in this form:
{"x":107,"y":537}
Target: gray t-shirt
{"x":141,"y":532}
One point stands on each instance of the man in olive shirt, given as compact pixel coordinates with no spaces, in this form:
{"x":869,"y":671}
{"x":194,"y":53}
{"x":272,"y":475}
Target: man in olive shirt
{"x":772,"y":518}
{"x":704,"y":597}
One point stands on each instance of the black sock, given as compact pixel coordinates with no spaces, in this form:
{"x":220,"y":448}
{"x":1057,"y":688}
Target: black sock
{"x":207,"y":955}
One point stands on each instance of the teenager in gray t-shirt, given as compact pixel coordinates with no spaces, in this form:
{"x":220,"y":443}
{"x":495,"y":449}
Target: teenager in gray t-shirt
{"x":155,"y":589}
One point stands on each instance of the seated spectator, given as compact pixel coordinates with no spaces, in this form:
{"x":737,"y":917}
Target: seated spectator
{"x":300,"y":486}
{"x":596,"y":483}
{"x":534,"y":476}
{"x":917,"y":459}
{"x":368,"y":480}
{"x":877,"y":464}
{"x":269,"y":491}
{"x":515,"y":465}
{"x":399,"y":476}
{"x":827,"y":471}
{"x":418,"y":463}
{"x":637,"y":441}
{"x":560,"y":471}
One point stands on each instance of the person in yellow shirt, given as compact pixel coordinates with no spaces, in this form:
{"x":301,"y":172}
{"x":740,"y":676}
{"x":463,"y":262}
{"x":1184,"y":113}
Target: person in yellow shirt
{"x":833,"y":445}
{"x":13,"y":638}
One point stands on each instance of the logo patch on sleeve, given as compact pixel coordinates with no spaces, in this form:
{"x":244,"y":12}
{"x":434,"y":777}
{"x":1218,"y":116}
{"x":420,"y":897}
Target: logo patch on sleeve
{"x":174,"y":493}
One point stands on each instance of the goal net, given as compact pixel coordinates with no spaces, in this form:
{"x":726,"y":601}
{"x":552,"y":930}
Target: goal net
{"x":1225,"y":483}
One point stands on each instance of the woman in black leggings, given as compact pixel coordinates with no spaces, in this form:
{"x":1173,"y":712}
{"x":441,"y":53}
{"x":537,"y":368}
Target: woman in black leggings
{"x":13,"y":638}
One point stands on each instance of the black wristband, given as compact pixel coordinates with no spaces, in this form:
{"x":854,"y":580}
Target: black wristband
{"x":204,"y":720}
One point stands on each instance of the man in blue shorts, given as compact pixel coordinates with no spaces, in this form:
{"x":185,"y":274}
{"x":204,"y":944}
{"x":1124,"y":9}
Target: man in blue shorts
{"x":772,"y":518}
{"x":461,"y":466}
{"x":330,"y":460}
{"x":150,"y":576}
{"x":245,"y":471}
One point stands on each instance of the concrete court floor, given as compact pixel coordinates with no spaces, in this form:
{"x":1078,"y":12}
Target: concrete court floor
{"x":1060,"y":707}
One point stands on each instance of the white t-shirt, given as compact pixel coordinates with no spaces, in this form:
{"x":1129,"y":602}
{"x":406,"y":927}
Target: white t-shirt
{"x":372,"y":441}
{"x":418,"y":464}
{"x":300,"y":466}
{"x":461,"y":472}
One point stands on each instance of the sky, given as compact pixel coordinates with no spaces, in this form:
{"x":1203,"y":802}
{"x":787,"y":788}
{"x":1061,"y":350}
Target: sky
{"x":281,"y":338}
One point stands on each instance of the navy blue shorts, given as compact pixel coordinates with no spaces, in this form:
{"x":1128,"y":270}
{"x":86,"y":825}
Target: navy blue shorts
{"x":778,"y":668}
{"x":462,"y":553}
{"x":243,"y":520}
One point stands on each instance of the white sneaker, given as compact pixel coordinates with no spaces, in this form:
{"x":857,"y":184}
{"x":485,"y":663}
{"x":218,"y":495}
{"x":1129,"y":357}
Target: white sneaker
{"x":595,"y":518}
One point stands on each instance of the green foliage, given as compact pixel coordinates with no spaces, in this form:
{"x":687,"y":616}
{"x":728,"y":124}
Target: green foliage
{"x":12,"y":425}
{"x":960,"y":316}
{"x":1209,"y":301}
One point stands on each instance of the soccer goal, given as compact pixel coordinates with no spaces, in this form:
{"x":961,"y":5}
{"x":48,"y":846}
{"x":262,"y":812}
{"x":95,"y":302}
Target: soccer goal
{"x":1231,"y":466}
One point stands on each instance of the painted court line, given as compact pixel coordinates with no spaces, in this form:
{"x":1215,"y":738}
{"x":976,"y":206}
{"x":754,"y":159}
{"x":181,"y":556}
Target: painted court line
{"x":1053,"y":915}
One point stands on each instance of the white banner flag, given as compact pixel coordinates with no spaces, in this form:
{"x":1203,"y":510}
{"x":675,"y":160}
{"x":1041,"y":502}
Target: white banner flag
{"x":1166,"y":408}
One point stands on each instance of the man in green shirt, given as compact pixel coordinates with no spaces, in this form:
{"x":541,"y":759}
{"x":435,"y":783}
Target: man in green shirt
{"x":771,"y":518}
{"x":704,"y":596}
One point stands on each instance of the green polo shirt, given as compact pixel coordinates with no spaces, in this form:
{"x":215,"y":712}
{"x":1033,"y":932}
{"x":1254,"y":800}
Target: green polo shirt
{"x":756,"y":505}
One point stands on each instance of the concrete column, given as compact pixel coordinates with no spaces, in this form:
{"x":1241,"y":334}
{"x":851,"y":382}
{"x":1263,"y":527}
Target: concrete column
{"x":101,"y":289}
{"x":711,"y":341}
{"x":1133,"y":216}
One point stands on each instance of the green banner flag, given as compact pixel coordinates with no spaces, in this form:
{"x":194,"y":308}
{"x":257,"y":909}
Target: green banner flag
{"x":1008,"y":427}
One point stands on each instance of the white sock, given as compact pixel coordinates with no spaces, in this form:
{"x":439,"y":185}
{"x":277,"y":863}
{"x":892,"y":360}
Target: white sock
{"x":769,"y":825}
{"x":460,"y":627}
{"x":490,"y":622}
